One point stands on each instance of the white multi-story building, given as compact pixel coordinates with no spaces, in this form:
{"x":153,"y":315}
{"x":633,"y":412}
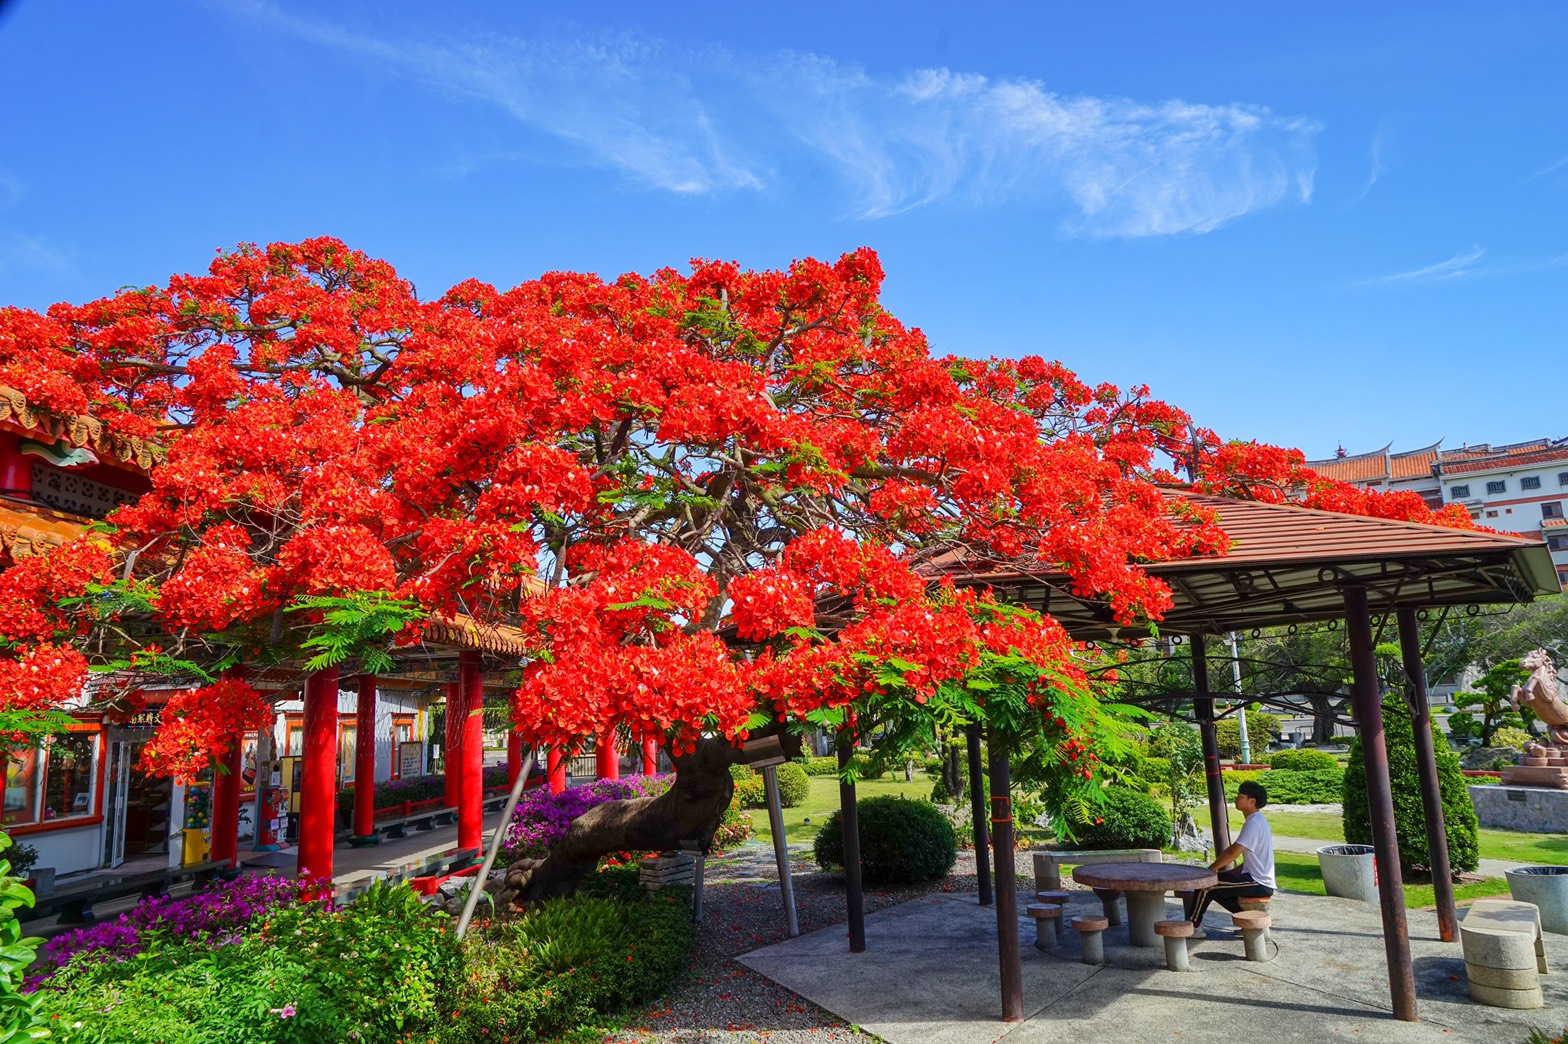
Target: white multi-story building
{"x":1519,"y":488}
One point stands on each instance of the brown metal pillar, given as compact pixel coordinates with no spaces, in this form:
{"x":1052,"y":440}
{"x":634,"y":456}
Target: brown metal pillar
{"x":1203,"y":710}
{"x":977,"y":811}
{"x":849,"y":825}
{"x":1380,"y":804}
{"x":1426,"y":763}
{"x":1006,"y":883}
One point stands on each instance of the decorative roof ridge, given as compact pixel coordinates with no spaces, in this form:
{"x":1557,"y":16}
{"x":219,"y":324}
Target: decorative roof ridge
{"x":78,"y":429}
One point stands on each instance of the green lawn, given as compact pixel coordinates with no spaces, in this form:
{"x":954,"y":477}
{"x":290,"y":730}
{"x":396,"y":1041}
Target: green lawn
{"x":1298,"y":872}
{"x":1551,"y":849}
{"x":823,"y":801}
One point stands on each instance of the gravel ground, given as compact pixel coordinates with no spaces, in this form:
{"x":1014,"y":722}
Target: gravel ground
{"x":727,"y":1002}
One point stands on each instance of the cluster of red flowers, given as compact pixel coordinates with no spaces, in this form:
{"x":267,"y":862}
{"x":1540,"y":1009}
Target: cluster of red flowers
{"x":198,"y":726}
{"x":629,"y":465}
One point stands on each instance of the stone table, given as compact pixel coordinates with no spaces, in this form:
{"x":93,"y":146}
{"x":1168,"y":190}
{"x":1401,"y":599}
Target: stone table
{"x":1145,"y":885}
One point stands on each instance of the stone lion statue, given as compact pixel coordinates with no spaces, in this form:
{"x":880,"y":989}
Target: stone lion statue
{"x":1539,"y":694}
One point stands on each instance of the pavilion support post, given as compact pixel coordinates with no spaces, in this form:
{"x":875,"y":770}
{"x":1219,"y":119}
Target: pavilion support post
{"x":226,"y":799}
{"x":514,"y":755}
{"x":454,"y":740}
{"x":1426,"y":764}
{"x":1203,"y":710}
{"x":1006,"y":884}
{"x":555,"y":770}
{"x":318,"y":782}
{"x":364,"y":834}
{"x":471,"y":752}
{"x":977,"y":789}
{"x":650,"y":756}
{"x":849,"y":824}
{"x":606,"y":759}
{"x":1380,"y":804}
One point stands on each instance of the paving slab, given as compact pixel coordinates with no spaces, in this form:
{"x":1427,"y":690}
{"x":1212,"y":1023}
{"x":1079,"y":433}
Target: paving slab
{"x":930,"y":973}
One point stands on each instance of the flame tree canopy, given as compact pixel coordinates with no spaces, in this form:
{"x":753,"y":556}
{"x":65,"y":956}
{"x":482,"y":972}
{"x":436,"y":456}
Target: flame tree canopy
{"x":626,"y":470}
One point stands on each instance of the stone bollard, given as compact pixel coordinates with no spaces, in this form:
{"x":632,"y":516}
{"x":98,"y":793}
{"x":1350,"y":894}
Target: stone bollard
{"x":1500,"y":967}
{"x":1254,"y":925}
{"x":1091,"y":938}
{"x":1108,"y":902}
{"x":1175,"y":934}
{"x":1045,"y":917}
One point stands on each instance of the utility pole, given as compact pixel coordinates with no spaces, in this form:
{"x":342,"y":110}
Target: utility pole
{"x":1235,"y":673}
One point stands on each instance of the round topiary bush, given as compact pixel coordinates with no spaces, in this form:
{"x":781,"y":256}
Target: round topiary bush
{"x":1459,"y":817}
{"x":1304,"y":760}
{"x":1126,"y":819}
{"x":901,"y":841}
{"x":794,"y":785}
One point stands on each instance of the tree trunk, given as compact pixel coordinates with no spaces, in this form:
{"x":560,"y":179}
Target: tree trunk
{"x":953,"y":774}
{"x":1322,"y":719}
{"x":685,"y":816}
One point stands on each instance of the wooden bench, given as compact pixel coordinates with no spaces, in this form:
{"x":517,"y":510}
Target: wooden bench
{"x":1048,"y":865}
{"x":74,"y":901}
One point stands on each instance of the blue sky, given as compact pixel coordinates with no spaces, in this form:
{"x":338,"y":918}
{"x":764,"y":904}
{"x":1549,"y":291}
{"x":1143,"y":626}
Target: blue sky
{"x":1308,"y":225}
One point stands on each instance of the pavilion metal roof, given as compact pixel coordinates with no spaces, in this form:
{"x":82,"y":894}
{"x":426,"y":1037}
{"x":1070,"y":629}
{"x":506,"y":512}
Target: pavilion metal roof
{"x":1288,"y":565}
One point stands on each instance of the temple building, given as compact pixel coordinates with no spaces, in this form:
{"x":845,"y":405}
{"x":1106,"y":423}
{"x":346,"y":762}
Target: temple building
{"x":1519,"y":488}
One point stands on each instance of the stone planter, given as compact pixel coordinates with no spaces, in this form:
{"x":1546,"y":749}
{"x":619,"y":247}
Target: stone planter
{"x":1546,"y":887}
{"x":1349,"y":871}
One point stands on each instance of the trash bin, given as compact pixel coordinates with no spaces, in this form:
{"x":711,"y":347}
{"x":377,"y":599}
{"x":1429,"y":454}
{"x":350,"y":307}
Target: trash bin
{"x":1547,"y":888}
{"x":1349,"y":871}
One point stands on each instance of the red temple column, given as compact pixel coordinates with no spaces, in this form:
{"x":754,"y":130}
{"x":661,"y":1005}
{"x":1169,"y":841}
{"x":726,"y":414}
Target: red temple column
{"x":365,"y":763}
{"x":650,"y":756}
{"x":514,"y":756}
{"x":606,"y":759}
{"x":470,"y":803}
{"x":16,"y":470}
{"x":555,"y":770}
{"x":225,"y":793}
{"x":454,"y":740}
{"x":318,"y":786}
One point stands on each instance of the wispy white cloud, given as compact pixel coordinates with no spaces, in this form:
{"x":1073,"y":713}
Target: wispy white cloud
{"x":1378,"y":166}
{"x":1546,"y":171}
{"x":688,"y":120}
{"x":1465,"y":265}
{"x":1456,"y":267}
{"x":21,"y":251}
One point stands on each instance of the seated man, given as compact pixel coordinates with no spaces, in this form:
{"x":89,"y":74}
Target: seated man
{"x":1254,"y":845}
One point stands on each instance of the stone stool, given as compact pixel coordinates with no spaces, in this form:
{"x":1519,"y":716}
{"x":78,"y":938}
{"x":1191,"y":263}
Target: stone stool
{"x":1108,"y":902}
{"x":1254,"y":925}
{"x":1175,"y":934}
{"x":1255,"y":902}
{"x":1500,"y":966}
{"x":1045,"y":917}
{"x":1054,"y":898}
{"x":1091,"y":936}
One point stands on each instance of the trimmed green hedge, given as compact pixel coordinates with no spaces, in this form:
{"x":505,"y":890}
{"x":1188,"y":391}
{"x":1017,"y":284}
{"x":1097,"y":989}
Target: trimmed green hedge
{"x":751,"y":789}
{"x":1286,"y":787}
{"x":1304,"y":760}
{"x":901,"y":841}
{"x":1262,"y":729}
{"x":1126,"y":819}
{"x":827,"y":766}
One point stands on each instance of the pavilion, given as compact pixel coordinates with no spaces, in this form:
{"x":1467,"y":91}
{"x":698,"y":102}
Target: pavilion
{"x":1286,"y":565}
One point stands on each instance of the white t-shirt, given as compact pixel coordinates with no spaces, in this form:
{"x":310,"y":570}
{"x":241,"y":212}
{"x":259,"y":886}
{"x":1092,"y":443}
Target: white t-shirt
{"x":1258,"y":840}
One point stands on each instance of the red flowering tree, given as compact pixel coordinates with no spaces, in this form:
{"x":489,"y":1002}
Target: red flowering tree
{"x":709,"y":499}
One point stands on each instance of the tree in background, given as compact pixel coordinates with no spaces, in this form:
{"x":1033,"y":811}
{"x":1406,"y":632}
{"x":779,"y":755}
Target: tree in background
{"x":1479,"y":714}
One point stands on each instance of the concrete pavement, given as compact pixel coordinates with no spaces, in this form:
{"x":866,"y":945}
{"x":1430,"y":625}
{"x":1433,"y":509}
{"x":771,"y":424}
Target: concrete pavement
{"x":929,"y":974}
